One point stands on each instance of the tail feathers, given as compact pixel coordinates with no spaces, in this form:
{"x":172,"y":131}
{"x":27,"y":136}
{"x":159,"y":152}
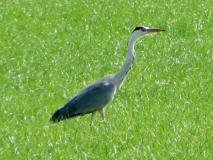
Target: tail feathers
{"x":61,"y":115}
{"x":57,"y":116}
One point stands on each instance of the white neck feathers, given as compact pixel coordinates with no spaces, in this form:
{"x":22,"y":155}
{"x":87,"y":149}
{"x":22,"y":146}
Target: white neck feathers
{"x":120,"y":76}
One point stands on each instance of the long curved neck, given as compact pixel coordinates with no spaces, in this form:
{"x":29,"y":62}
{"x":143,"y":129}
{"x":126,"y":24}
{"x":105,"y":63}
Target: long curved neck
{"x":120,"y":76}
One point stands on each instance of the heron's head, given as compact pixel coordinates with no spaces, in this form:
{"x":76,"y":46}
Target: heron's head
{"x":142,"y":30}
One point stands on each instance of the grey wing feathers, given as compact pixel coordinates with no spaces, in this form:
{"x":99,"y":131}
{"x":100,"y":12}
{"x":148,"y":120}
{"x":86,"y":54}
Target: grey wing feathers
{"x":90,"y":99}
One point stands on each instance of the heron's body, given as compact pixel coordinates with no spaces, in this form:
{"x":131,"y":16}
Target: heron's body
{"x":97,"y":95}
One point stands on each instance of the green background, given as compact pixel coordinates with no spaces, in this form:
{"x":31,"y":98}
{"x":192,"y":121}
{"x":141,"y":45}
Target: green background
{"x":49,"y":50}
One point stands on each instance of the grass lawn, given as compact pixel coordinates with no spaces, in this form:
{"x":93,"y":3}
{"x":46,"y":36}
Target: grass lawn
{"x":49,"y":50}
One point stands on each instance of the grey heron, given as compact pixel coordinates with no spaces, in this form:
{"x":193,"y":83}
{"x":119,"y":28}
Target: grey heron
{"x":97,"y":95}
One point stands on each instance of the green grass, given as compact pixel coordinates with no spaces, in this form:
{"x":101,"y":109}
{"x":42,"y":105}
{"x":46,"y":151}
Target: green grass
{"x":51,"y":49}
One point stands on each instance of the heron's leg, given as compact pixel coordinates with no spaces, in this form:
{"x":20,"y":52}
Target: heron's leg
{"x":92,"y":116}
{"x":102,"y":112}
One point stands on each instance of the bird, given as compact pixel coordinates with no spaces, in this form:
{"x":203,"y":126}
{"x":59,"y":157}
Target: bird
{"x":96,"y":96}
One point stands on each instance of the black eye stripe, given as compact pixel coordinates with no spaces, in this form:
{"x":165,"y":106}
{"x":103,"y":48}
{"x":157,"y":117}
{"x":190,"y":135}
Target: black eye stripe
{"x":139,"y":28}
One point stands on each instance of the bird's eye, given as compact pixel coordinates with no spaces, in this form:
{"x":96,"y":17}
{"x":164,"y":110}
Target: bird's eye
{"x":142,"y":29}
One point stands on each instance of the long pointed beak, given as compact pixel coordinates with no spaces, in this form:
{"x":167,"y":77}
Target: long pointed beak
{"x":155,"y":30}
